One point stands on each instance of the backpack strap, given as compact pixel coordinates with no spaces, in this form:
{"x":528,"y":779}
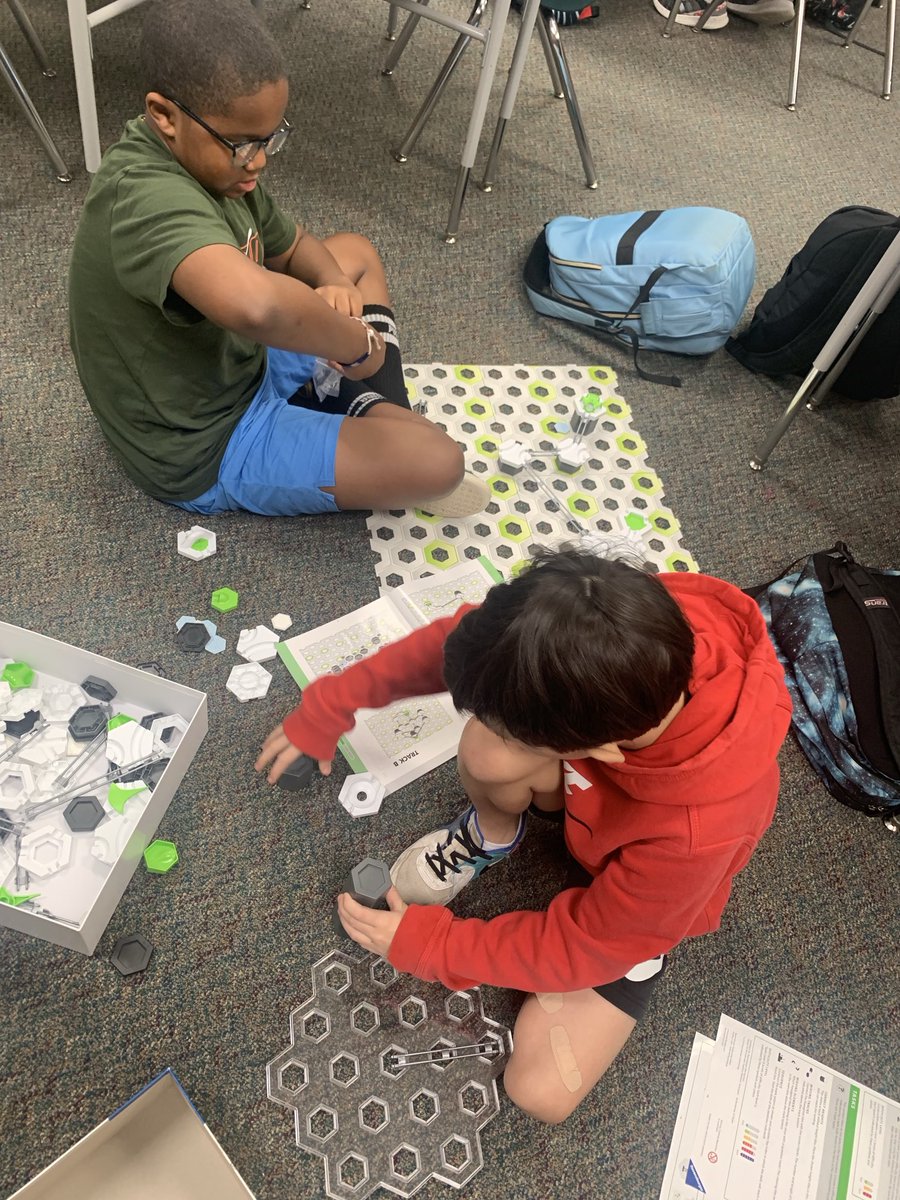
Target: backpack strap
{"x":628,"y":240}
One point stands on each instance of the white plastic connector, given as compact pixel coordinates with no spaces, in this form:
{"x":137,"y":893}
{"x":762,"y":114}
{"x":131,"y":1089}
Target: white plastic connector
{"x":361,"y":795}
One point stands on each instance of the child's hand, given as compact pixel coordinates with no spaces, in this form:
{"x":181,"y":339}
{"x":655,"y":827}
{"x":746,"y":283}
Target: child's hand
{"x":279,"y":752}
{"x":344,"y":298}
{"x":372,"y":928}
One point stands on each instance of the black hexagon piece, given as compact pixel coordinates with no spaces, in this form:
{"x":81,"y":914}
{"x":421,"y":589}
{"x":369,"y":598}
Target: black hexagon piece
{"x":83,"y":814}
{"x":152,"y":668}
{"x":147,"y":721}
{"x":298,"y":775}
{"x":131,"y":954}
{"x":192,"y":636}
{"x":99,"y":689}
{"x":367,"y":883}
{"x":87,"y":722}
{"x":25,"y":724}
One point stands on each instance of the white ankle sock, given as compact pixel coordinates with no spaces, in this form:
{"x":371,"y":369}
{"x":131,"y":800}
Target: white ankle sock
{"x":487,"y":844}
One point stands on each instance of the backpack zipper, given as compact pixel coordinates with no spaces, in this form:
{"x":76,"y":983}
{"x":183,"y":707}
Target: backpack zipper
{"x":571,"y":262}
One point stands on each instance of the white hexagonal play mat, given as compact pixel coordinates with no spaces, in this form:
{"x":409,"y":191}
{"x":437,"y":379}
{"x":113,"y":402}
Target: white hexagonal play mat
{"x":613,"y":501}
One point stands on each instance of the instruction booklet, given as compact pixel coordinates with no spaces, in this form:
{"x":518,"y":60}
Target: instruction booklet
{"x":760,"y":1121}
{"x":404,"y":741}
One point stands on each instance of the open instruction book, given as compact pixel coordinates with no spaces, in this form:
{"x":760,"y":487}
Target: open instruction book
{"x":404,"y":741}
{"x":760,"y":1121}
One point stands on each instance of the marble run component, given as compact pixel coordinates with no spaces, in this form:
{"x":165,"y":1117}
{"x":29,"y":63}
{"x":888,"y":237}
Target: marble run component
{"x":298,"y":775}
{"x":99,"y":689}
{"x":83,"y":814}
{"x":160,"y":856}
{"x":512,"y":456}
{"x":87,"y":722}
{"x":164,"y":729}
{"x":361,"y":795}
{"x":120,"y":793}
{"x":281,"y":622}
{"x":257,"y":644}
{"x":45,"y":748}
{"x":45,"y":851}
{"x":191,"y":635}
{"x":21,"y":702}
{"x":17,"y":675}
{"x":571,"y":455}
{"x":129,"y":743}
{"x":16,"y":786}
{"x":131,"y":954}
{"x":60,"y":700}
{"x":152,"y":668}
{"x":248,"y":681}
{"x":197,"y":543}
{"x":224,"y":599}
{"x":367,"y":883}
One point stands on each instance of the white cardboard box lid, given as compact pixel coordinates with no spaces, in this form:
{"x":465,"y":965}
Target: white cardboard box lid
{"x":157,"y":1145}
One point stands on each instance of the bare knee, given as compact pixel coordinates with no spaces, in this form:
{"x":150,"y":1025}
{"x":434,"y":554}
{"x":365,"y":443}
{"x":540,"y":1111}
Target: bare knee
{"x":355,"y":255}
{"x":530,"y":1094}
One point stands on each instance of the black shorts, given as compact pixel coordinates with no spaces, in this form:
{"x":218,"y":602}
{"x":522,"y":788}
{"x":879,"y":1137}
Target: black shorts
{"x":632,"y":995}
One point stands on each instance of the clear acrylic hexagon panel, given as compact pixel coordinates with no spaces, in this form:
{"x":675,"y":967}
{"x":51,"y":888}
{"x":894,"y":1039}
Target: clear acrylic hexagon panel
{"x":374,"y":1124}
{"x":615,"y":496}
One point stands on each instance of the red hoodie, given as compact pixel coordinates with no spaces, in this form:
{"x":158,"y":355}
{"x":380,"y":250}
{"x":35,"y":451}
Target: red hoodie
{"x":663,"y":833}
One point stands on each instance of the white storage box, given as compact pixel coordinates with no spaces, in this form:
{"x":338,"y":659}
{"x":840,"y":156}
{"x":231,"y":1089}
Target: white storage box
{"x":155,"y":1147}
{"x":77,"y":874}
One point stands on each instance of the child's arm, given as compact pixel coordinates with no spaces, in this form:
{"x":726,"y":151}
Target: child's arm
{"x":271,"y":307}
{"x":312,"y":263}
{"x":413,"y":666}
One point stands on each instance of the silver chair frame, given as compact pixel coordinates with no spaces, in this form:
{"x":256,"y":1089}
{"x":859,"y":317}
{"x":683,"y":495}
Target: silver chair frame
{"x":870,"y":302}
{"x":18,"y":89}
{"x":850,"y":40}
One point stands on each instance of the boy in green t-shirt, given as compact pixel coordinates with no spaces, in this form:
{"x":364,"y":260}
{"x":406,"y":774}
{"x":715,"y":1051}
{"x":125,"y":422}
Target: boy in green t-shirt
{"x":223,"y":349}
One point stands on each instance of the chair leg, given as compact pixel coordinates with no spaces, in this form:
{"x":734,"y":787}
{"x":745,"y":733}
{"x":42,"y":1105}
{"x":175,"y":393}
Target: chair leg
{"x":80,"y":36}
{"x":796,"y":42}
{"x":587,"y":159}
{"x":555,"y":80}
{"x":393,"y":20}
{"x":489,"y":60}
{"x":34,"y":118}
{"x":890,"y":33}
{"x":31,"y":37}
{"x":401,"y":42}
{"x":403,"y":151}
{"x":706,"y":14}
{"x":511,"y":91}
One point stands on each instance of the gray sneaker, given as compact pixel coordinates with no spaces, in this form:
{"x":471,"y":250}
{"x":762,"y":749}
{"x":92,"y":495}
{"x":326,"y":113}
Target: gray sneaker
{"x":439,"y":865}
{"x":763,"y":12}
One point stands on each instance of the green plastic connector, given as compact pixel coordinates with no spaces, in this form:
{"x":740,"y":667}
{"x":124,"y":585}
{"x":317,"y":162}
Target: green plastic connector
{"x":635,"y":521}
{"x":17,"y":675}
{"x":591,"y":402}
{"x":7,"y":897}
{"x":120,"y":794}
{"x":117,"y":720}
{"x":224,"y":599}
{"x":199,"y":544}
{"x":160,"y":856}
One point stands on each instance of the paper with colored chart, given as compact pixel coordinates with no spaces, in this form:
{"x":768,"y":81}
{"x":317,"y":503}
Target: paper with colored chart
{"x":775,"y":1124}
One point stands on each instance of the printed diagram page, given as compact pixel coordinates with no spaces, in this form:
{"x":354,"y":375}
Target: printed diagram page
{"x":680,"y":1179}
{"x":776,"y":1125}
{"x":399,"y":743}
{"x":441,"y":594}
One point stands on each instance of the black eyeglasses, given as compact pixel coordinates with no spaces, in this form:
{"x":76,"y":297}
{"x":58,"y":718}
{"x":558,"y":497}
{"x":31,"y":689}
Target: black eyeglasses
{"x":242,"y":153}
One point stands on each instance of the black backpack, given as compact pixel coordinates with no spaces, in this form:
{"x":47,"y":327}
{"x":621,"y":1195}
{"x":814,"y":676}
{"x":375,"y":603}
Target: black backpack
{"x":835,"y":625}
{"x":796,"y":317}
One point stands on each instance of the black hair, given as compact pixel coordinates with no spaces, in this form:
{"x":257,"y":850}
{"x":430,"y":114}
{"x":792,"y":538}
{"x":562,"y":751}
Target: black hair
{"x":574,"y":652}
{"x":207,"y":53}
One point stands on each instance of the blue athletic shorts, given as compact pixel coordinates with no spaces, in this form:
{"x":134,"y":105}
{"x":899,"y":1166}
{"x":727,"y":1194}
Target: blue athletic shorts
{"x":280,"y":456}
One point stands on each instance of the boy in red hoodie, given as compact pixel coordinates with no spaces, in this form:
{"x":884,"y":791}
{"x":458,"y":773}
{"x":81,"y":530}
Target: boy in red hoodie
{"x":648,"y":711}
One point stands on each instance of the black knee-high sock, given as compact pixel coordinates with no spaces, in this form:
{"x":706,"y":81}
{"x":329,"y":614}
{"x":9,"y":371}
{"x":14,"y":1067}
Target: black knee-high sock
{"x":388,"y":379}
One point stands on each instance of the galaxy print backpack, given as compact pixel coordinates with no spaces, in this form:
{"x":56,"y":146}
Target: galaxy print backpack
{"x":835,"y":625}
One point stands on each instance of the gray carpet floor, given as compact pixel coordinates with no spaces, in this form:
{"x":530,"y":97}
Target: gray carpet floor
{"x":807,"y":951}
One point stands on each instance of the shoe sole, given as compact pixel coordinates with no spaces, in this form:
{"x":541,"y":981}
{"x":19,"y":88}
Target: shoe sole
{"x":716,"y":21}
{"x":470,"y":497}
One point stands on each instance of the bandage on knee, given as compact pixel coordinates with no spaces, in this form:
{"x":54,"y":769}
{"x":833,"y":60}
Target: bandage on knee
{"x":550,"y":1002}
{"x":564,"y":1057}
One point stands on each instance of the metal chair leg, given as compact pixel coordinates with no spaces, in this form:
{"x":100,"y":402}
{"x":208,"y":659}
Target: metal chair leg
{"x":587,"y":160}
{"x":393,"y":20}
{"x":31,"y":37}
{"x":796,"y":42}
{"x":551,"y":60}
{"x":401,"y":42}
{"x":403,"y":151}
{"x":34,"y":118}
{"x":511,"y":91}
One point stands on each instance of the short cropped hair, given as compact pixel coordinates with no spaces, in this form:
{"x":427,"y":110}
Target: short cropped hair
{"x":574,"y":652}
{"x":207,"y":53}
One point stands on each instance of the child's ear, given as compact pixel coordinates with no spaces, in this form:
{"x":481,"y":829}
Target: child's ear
{"x":162,"y":112}
{"x":609,"y":752}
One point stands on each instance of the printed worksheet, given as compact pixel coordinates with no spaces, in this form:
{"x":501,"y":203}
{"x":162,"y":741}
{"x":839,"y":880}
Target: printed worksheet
{"x":680,"y":1179}
{"x":777,"y":1125}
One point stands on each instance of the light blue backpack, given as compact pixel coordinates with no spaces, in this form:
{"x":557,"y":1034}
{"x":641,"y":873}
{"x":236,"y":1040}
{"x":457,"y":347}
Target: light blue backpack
{"x":675,"y":280}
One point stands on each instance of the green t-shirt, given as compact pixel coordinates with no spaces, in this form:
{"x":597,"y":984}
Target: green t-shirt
{"x":167,"y":385}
